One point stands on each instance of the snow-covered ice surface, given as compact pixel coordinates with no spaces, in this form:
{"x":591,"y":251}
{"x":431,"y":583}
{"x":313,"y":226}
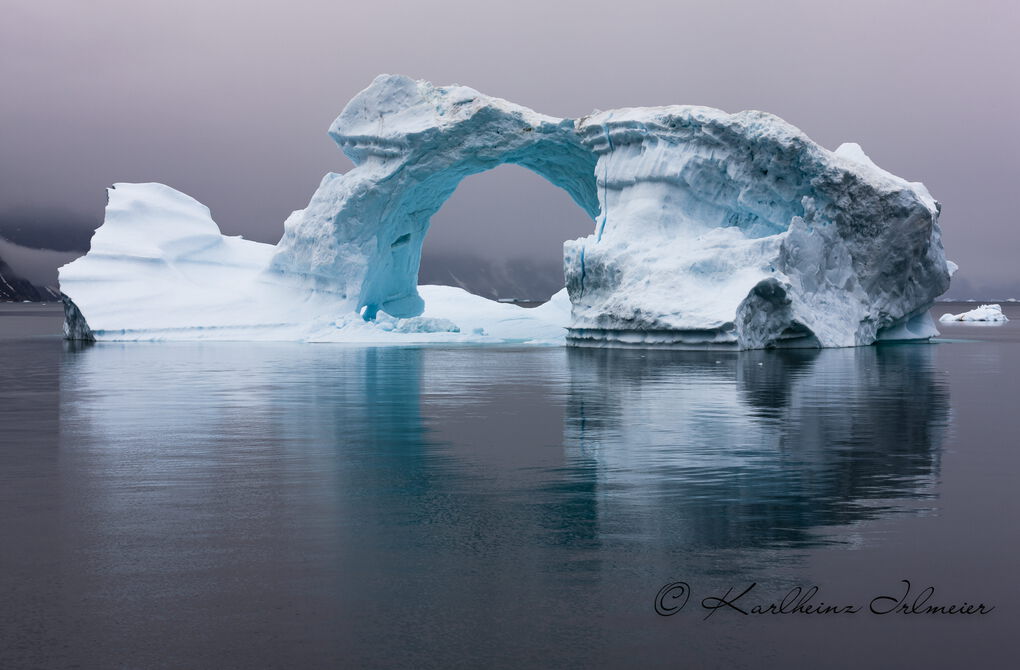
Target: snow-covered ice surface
{"x":710,"y":229}
{"x":984,"y":313}
{"x":159,"y":269}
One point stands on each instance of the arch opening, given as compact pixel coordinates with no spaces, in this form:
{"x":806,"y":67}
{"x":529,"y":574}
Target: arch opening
{"x":392,"y":278}
{"x":500,"y":235}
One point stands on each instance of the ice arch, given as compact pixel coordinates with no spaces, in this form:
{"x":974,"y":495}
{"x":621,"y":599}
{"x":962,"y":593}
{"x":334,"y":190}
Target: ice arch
{"x":412,"y":143}
{"x":712,"y":230}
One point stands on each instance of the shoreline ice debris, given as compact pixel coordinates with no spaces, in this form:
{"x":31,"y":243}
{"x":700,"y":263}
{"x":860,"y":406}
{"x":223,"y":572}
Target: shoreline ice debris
{"x":709,"y":230}
{"x":984,"y":313}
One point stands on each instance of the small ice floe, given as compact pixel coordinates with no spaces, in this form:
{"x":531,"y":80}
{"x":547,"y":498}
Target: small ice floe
{"x":982,"y":313}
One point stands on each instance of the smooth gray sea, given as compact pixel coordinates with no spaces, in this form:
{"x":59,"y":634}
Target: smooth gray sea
{"x":239,"y":505}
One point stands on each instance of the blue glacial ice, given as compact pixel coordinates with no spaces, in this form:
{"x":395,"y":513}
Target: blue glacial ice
{"x":709,"y":230}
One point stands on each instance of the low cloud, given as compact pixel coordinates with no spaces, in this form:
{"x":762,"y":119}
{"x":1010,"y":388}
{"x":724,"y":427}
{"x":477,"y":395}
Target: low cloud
{"x":38,"y":266}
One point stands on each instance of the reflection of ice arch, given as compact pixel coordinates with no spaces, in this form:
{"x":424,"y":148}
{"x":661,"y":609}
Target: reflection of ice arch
{"x":706,"y":449}
{"x":412,"y":144}
{"x":757,"y":448}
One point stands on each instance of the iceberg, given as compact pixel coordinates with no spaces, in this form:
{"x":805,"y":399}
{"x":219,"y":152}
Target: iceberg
{"x":159,"y":269}
{"x":736,"y":229}
{"x":984,"y":313}
{"x":709,"y":230}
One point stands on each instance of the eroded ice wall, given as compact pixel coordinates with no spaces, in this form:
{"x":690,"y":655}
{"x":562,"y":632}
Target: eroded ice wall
{"x":736,"y":229}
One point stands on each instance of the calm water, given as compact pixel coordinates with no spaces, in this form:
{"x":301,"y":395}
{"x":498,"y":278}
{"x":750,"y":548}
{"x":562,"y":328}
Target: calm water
{"x":282,"y":505}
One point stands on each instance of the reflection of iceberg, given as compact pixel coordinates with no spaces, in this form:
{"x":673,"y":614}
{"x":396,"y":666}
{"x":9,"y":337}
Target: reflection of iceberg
{"x":758,"y":448}
{"x":710,"y":229}
{"x":712,"y":450}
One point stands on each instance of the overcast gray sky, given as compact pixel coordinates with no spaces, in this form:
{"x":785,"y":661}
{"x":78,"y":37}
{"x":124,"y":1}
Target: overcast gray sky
{"x":230,"y":101}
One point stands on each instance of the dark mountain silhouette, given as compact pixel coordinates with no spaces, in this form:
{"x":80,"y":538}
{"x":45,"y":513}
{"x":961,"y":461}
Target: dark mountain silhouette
{"x":14,"y":288}
{"x":520,"y":278}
